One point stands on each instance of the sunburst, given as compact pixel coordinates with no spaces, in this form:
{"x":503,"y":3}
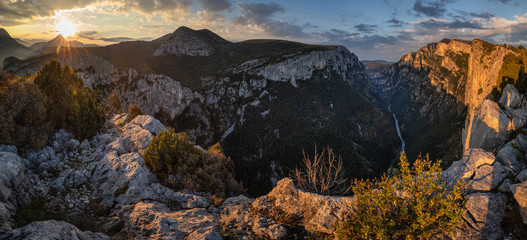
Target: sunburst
{"x":66,"y":28}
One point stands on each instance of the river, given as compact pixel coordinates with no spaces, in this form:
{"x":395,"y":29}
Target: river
{"x":400,"y":137}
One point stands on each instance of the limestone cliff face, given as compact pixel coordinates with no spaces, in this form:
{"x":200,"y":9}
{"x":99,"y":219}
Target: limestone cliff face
{"x":436,"y":88}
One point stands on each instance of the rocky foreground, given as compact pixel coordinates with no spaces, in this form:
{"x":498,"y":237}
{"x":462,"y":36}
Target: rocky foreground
{"x":106,"y":181}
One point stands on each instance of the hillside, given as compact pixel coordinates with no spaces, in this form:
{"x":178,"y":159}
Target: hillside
{"x":10,"y":47}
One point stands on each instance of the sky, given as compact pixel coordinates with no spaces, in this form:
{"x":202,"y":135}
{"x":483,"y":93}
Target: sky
{"x":372,"y":29}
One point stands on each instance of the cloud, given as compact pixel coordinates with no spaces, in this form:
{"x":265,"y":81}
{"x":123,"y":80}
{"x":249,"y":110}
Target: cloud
{"x":433,"y":25}
{"x":484,"y":15}
{"x":257,"y":13}
{"x":395,"y":23}
{"x":260,"y":15}
{"x":502,"y":1}
{"x":215,"y":5}
{"x":518,"y":33}
{"x":430,"y":9}
{"x":365,"y":28}
{"x":19,"y":12}
{"x":357,"y":41}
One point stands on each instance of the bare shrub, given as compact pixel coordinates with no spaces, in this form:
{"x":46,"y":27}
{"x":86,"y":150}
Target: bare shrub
{"x":322,"y":174}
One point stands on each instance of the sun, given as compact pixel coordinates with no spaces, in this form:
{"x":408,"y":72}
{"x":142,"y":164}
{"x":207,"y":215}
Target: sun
{"x":66,"y":28}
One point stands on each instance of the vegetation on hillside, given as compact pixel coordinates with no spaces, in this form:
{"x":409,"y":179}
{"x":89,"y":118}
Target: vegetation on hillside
{"x":134,"y":111}
{"x":416,"y":204}
{"x":180,"y":165}
{"x":68,"y":104}
{"x":513,"y":70}
{"x":32,"y":108}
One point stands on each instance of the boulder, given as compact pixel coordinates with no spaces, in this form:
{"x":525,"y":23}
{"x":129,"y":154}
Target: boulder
{"x":510,"y":97}
{"x":141,"y":130}
{"x":8,"y":148}
{"x":519,"y":192}
{"x":487,"y":177}
{"x":239,"y":220}
{"x":51,"y":230}
{"x":510,"y":158}
{"x":72,"y":145}
{"x":318,"y":213}
{"x":472,"y":159}
{"x":519,"y":119}
{"x":490,"y":127}
{"x":485,"y":212}
{"x":157,"y":221}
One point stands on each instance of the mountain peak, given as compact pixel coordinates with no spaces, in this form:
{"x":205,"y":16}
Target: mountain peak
{"x":4,"y":34}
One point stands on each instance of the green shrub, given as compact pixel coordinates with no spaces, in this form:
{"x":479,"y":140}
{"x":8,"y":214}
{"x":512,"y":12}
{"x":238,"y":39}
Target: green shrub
{"x":22,"y":113}
{"x":134,"y":111}
{"x":68,"y":104}
{"x":175,"y":160}
{"x":417,"y":204}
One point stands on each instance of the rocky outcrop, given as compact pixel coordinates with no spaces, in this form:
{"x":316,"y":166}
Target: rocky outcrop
{"x":15,"y":181}
{"x":435,"y":88}
{"x":490,"y":180}
{"x":49,"y":230}
{"x":156,"y":221}
{"x":141,"y":130}
{"x":489,"y":127}
{"x":302,"y":66}
{"x":269,"y":216}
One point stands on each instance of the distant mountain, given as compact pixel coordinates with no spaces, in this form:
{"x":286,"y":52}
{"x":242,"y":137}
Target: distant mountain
{"x":52,"y":45}
{"x":187,"y":42}
{"x":10,"y":47}
{"x":376,"y":64}
{"x":263,"y":100}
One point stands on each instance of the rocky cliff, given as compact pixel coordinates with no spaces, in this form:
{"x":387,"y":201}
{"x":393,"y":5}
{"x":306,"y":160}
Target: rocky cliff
{"x":436,"y":91}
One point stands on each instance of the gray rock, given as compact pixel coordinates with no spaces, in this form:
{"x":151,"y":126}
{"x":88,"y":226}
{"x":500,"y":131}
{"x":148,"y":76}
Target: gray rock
{"x":484,"y":215}
{"x":11,"y":168}
{"x":121,"y":145}
{"x":510,"y":97}
{"x":519,"y":192}
{"x":51,"y":230}
{"x":11,"y":179}
{"x":8,"y":148}
{"x":487,"y":177}
{"x":519,"y":119}
{"x":44,"y":155}
{"x":510,"y":159}
{"x":240,"y":220}
{"x":522,"y":176}
{"x":141,"y":130}
{"x":157,"y":221}
{"x":60,"y":138}
{"x":473,"y":158}
{"x":239,"y":200}
{"x":75,"y":179}
{"x":490,"y":127}
{"x":85,"y":144}
{"x":72,"y":145}
{"x":319,"y":213}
